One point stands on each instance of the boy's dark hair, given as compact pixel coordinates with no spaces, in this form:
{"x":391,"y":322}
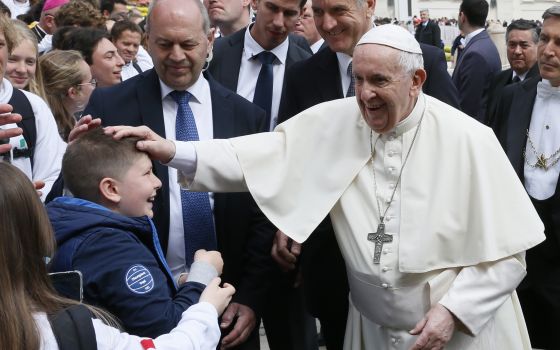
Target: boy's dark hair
{"x":476,"y":12}
{"x":84,"y":40}
{"x":95,"y":156}
{"x":120,"y":26}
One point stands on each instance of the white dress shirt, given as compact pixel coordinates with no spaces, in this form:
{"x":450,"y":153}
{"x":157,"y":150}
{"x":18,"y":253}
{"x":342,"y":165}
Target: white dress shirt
{"x":315,"y":47}
{"x":201,"y":106}
{"x":544,"y":132}
{"x":471,"y":35}
{"x":343,"y":61}
{"x":143,"y":60}
{"x":251,"y":66}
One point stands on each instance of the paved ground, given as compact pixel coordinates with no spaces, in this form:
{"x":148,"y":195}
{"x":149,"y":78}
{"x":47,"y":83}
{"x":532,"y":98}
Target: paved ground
{"x":264,"y":344}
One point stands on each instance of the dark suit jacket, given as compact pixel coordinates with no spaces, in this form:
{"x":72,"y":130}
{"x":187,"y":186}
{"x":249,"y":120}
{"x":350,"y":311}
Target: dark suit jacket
{"x":228,"y":51}
{"x":538,"y":292}
{"x":430,"y":34}
{"x":244,"y":235}
{"x":499,"y":82}
{"x":477,"y":65}
{"x":317,"y":80}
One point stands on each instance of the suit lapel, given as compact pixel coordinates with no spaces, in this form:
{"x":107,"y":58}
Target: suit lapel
{"x":231,"y":70}
{"x":148,"y":92}
{"x":328,"y":83}
{"x":519,"y":119}
{"x":477,"y":37}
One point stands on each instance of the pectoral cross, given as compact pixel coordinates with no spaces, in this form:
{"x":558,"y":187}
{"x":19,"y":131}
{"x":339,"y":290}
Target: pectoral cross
{"x":379,"y":238}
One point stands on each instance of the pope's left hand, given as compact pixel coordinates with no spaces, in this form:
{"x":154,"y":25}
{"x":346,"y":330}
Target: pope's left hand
{"x":244,"y":324}
{"x":435,"y":329}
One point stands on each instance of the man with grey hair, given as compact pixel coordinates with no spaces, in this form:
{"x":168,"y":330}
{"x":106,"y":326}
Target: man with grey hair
{"x":180,"y":102}
{"x":527,"y":129}
{"x":428,"y":31}
{"x":433,"y":259}
{"x":522,"y":37}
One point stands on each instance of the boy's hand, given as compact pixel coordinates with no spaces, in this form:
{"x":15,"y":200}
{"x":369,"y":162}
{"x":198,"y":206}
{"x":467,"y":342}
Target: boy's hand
{"x":212,"y":257}
{"x":216,"y":295}
{"x":86,"y":123}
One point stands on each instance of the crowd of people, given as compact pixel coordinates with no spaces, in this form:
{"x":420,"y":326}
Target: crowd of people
{"x":186,"y":175}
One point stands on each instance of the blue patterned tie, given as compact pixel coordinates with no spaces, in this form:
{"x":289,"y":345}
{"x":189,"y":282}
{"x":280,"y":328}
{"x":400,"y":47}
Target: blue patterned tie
{"x":263,"y":89}
{"x":198,"y":222}
{"x":350,"y":92}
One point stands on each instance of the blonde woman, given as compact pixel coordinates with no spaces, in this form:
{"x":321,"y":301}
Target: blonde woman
{"x":22,"y":62}
{"x":67,"y":84}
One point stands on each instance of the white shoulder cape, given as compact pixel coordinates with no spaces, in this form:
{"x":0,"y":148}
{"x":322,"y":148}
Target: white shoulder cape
{"x":463,"y":204}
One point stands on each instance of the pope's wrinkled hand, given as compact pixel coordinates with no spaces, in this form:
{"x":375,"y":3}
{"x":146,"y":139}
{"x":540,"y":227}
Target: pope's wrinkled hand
{"x":156,"y":146}
{"x":435,"y":329}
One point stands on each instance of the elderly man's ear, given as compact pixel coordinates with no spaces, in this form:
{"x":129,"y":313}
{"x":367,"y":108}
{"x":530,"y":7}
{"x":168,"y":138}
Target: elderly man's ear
{"x":418,"y":80}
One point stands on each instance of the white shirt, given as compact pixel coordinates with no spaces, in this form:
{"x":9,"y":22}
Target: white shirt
{"x":521,"y":76}
{"x":143,"y":60}
{"x":198,"y":329}
{"x":201,"y":106}
{"x":250,"y":68}
{"x":315,"y":47}
{"x":471,"y":35}
{"x":49,"y":147}
{"x":17,"y":8}
{"x":343,"y":62}
{"x":541,"y":184}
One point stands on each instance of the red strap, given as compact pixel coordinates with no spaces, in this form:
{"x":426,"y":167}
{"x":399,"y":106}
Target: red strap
{"x":148,"y":344}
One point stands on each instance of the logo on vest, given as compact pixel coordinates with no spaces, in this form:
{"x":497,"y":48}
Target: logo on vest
{"x":139,"y":280}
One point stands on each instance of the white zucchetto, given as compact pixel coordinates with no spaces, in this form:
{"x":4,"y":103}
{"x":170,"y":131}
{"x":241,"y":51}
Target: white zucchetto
{"x":393,"y":36}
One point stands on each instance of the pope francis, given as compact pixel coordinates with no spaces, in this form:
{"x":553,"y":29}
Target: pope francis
{"x":431,"y":218}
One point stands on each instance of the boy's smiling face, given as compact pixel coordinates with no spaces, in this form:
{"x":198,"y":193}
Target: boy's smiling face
{"x":137,"y":189}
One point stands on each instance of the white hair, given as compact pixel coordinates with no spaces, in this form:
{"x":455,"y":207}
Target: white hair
{"x":410,"y":62}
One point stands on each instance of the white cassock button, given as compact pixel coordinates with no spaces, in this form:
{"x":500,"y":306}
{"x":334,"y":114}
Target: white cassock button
{"x":390,"y":153}
{"x":391,"y":186}
{"x":390,"y":169}
{"x":388,"y":218}
{"x":385,"y":251}
{"x":385,"y":269}
{"x":385,"y":285}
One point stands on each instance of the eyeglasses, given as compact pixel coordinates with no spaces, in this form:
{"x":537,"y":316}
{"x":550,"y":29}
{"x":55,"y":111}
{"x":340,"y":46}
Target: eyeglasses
{"x":92,"y":82}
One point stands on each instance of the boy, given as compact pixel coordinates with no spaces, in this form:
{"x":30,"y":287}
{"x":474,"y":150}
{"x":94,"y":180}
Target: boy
{"x":106,"y":233}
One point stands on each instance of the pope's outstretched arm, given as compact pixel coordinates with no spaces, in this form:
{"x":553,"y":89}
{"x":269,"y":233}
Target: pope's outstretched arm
{"x":221,"y":171}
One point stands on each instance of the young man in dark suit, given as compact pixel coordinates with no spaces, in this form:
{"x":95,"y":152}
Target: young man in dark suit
{"x":177,"y":101}
{"x":527,"y":130}
{"x":236,"y":63}
{"x":479,"y":60}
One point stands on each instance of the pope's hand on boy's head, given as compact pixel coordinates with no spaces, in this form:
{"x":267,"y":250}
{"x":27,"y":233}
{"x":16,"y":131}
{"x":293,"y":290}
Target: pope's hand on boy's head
{"x":156,"y":146}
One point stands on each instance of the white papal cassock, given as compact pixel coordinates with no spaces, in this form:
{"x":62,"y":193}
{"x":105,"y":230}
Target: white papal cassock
{"x":460,"y":219}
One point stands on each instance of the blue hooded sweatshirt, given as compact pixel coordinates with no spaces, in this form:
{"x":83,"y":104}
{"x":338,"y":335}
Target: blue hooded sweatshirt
{"x":122,"y":264}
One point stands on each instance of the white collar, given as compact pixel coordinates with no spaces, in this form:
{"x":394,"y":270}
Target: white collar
{"x":521,"y":76}
{"x":253,"y":48}
{"x":196,"y":89}
{"x":343,"y":61}
{"x":471,"y":35}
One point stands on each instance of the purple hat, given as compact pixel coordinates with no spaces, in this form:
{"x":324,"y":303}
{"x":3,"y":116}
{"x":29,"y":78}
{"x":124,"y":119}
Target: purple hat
{"x":51,"y":4}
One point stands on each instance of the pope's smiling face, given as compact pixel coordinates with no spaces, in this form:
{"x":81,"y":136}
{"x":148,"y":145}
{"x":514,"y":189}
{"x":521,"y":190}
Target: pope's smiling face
{"x":385,"y":92}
